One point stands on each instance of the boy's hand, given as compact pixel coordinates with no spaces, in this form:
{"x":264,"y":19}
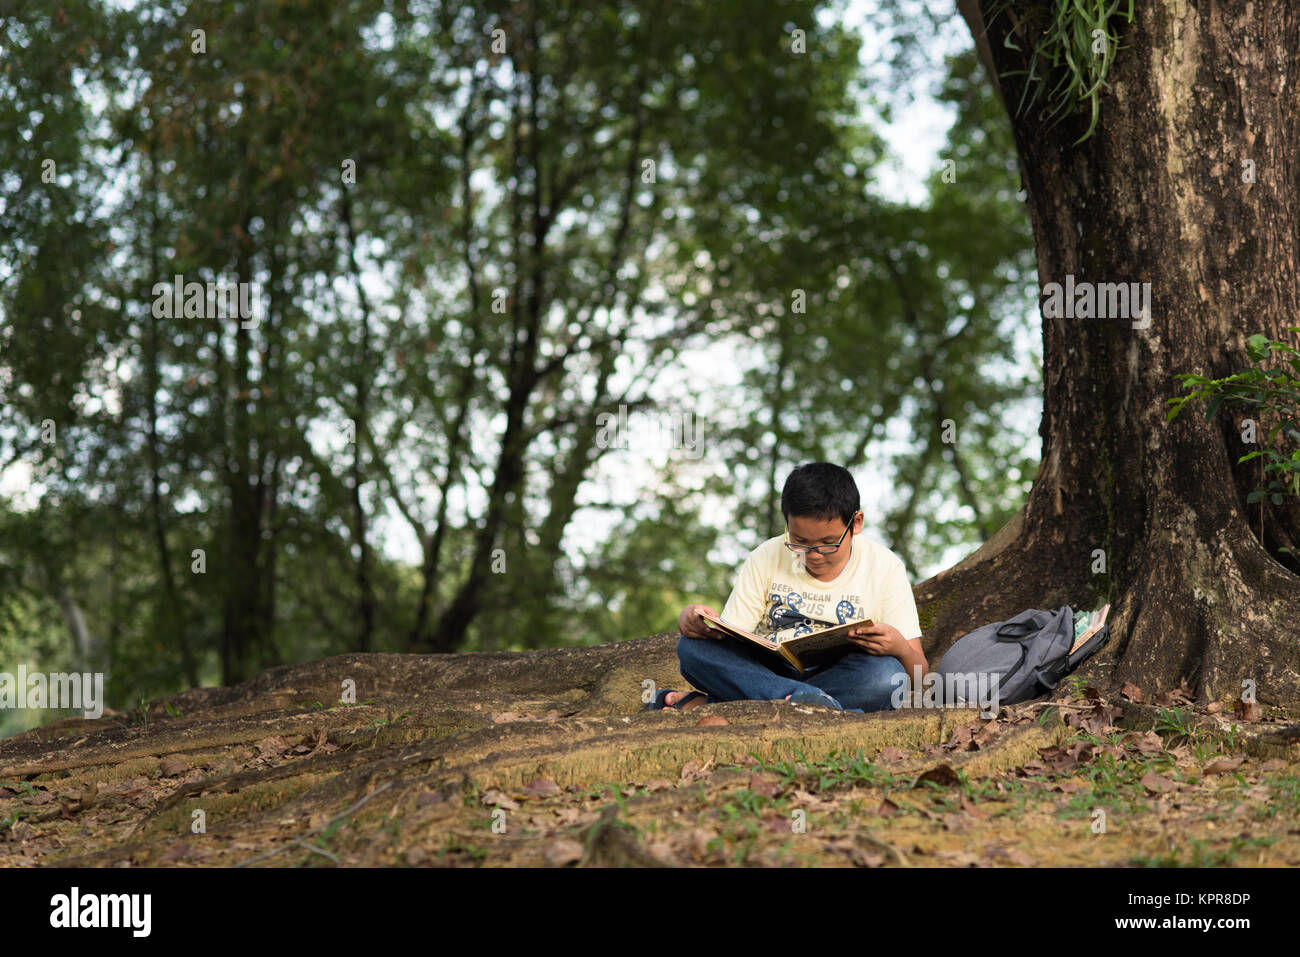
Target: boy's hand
{"x":879,"y":639}
{"x":690,"y":624}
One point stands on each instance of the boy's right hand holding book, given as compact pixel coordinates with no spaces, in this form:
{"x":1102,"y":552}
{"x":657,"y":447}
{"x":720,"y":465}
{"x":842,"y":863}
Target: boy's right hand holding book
{"x":690,"y":624}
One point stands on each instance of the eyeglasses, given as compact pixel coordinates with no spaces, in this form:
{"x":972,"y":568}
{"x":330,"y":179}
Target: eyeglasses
{"x":818,"y":549}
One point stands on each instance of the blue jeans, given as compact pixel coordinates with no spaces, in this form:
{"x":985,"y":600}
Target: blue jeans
{"x":730,"y":669}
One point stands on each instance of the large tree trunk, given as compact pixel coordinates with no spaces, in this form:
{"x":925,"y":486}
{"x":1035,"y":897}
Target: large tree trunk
{"x":1156,"y":195}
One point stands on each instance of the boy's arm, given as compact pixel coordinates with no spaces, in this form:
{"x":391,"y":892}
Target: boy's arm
{"x":913,"y":658}
{"x":900,"y":611}
{"x":748,"y":601}
{"x":898,"y":633}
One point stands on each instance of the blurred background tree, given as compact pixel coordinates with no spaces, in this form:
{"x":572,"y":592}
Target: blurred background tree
{"x":476,"y":234}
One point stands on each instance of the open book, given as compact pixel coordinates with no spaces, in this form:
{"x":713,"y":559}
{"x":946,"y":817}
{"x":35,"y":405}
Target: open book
{"x":815,"y":648}
{"x":1095,"y":620}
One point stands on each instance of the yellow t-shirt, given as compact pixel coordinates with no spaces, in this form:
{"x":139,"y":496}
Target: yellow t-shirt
{"x":775,"y":593}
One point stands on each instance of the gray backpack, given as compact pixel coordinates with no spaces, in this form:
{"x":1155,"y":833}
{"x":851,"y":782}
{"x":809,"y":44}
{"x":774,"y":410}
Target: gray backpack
{"x":1026,"y":656}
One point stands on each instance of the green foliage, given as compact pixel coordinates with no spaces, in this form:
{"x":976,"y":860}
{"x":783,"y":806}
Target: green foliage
{"x":1176,"y":723}
{"x":1074,"y":48}
{"x":383,"y":427}
{"x":1076,"y":684}
{"x":1195,"y":853}
{"x":1272,"y":393}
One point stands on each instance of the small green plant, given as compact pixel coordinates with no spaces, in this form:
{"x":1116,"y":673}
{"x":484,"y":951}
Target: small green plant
{"x":616,"y":792}
{"x":14,"y":817}
{"x":1199,"y":855}
{"x":1076,"y":46}
{"x":835,"y":770}
{"x":456,"y":846}
{"x":1230,"y":742}
{"x":1286,"y":794}
{"x":1076,"y":685}
{"x":1177,"y":724}
{"x":472,"y":796}
{"x":389,"y":719}
{"x":140,"y":714}
{"x":1274,"y":396}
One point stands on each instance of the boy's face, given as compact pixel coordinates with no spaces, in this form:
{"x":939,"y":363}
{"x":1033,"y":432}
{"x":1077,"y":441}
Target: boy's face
{"x":804,"y":530}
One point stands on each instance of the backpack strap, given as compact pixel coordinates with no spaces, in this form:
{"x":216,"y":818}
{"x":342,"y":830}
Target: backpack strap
{"x":1016,"y":631}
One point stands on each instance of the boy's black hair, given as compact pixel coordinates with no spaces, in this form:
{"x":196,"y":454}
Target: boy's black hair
{"x":820,"y":490}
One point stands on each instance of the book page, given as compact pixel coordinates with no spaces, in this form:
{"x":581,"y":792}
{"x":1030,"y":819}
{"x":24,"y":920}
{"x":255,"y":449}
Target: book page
{"x":832,"y":635}
{"x":724,"y":625}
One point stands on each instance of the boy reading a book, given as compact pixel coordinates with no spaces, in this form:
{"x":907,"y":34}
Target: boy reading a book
{"x":817,"y":574}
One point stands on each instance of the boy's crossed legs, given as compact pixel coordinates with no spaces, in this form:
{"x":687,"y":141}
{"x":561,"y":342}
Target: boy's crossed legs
{"x":727,"y":669}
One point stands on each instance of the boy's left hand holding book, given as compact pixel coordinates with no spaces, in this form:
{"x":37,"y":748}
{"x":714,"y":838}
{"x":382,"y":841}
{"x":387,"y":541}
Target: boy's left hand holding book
{"x":880,"y":639}
{"x":690,"y":624}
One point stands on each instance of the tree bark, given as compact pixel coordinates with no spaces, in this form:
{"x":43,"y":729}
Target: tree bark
{"x":172,"y":616}
{"x":1156,"y":195}
{"x":366,"y":600}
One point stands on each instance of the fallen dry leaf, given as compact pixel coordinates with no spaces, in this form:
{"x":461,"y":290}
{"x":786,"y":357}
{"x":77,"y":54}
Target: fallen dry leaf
{"x":1147,"y":743}
{"x":662,"y":850}
{"x":321,"y":743}
{"x":961,"y":738}
{"x":887,"y":808}
{"x":171,"y":767}
{"x":416,"y":856}
{"x":811,"y":801}
{"x":22,"y":831}
{"x":987,"y":733}
{"x":562,"y":851}
{"x":1248,"y":710}
{"x":497,"y":798}
{"x":768,"y":785}
{"x":176,"y":852}
{"x":272,"y":745}
{"x":1222,"y":765}
{"x":691,"y":771}
{"x":541,"y":787}
{"x":1155,"y":783}
{"x":941,"y":774}
{"x":1014,"y":856}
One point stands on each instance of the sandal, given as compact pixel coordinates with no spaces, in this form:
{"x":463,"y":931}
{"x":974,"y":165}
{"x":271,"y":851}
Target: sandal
{"x":658,"y":703}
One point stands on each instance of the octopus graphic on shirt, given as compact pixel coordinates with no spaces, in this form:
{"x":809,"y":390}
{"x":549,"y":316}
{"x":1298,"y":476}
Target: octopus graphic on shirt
{"x":776,"y":596}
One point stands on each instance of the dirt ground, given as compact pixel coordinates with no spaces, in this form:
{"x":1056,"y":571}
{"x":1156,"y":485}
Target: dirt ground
{"x":544,"y":759}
